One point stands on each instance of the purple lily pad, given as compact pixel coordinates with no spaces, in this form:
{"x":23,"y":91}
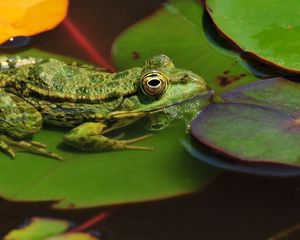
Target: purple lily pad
{"x":258,"y":123}
{"x":276,"y":93}
{"x":249,"y":133}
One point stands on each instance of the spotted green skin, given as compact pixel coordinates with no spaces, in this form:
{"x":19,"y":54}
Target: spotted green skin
{"x":33,"y":91}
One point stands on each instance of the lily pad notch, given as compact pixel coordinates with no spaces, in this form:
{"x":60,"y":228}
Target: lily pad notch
{"x":275,"y":47}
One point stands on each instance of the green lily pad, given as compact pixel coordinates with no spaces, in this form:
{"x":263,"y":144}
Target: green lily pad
{"x":73,"y":236}
{"x":177,"y":31}
{"x":267,"y":30}
{"x":46,"y":229}
{"x":38,"y":228}
{"x":96,"y":179}
{"x":259,"y":123}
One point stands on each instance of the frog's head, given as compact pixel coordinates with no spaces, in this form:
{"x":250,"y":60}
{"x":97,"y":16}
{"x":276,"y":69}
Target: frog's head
{"x":162,"y":84}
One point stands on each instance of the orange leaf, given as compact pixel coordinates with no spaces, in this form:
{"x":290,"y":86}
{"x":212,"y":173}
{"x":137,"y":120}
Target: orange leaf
{"x":29,"y":17}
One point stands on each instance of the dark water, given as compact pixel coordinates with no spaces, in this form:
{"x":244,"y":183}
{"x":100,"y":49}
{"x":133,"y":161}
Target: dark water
{"x":234,"y":206}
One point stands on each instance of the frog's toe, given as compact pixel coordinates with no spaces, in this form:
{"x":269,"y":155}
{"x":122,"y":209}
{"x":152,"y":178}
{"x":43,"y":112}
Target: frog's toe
{"x":126,"y":144}
{"x":6,"y":148}
{"x":11,"y":146}
{"x":38,"y":144}
{"x":37,"y":148}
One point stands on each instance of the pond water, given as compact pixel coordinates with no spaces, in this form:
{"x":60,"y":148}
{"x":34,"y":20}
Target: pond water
{"x":207,"y":203}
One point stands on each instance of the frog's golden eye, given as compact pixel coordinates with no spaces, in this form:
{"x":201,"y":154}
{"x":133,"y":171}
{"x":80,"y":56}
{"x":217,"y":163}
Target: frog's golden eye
{"x":154,"y":84}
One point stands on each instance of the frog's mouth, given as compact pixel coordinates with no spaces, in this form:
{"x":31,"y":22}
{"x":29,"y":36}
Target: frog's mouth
{"x":147,"y":110}
{"x":204,"y":96}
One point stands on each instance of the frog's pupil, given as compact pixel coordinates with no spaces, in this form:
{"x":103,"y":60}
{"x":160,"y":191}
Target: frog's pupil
{"x":154,"y":82}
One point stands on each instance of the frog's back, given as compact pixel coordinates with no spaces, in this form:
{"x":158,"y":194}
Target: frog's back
{"x":54,"y":79}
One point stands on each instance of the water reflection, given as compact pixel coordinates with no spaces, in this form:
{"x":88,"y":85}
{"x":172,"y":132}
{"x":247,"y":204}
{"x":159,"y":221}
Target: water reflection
{"x":189,"y":109}
{"x":16,"y":42}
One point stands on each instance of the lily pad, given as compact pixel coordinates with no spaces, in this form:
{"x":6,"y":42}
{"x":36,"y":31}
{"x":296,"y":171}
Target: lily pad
{"x":277,"y":93}
{"x":73,"y":236}
{"x":259,"y":123}
{"x":38,"y":228}
{"x":177,"y":31}
{"x":46,"y":229}
{"x":267,"y":30}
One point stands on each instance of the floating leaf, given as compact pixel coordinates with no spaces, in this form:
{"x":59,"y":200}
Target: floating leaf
{"x":73,"y":236}
{"x":26,"y":18}
{"x":267,"y":30}
{"x":46,"y":229}
{"x":38,"y":228}
{"x":277,"y":93}
{"x":261,"y":124}
{"x":177,"y":31}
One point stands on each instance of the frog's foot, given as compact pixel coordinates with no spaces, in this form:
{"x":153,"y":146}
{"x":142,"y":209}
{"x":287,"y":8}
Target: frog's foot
{"x":11,"y":146}
{"x":89,"y":137}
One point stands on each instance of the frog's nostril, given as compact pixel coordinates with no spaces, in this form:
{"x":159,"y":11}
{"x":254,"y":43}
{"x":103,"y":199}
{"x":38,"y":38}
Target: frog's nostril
{"x":184,"y":78}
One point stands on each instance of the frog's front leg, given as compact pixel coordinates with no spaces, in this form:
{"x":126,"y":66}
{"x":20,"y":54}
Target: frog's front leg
{"x":18,"y":121}
{"x":89,"y":137}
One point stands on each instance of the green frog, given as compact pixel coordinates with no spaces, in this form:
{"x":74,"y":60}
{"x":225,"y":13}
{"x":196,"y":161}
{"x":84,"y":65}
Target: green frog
{"x":91,"y":101}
